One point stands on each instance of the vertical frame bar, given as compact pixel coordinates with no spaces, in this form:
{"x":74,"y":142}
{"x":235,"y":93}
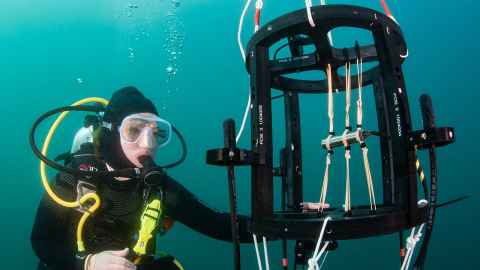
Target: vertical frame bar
{"x":293,"y":150}
{"x":262,"y":170}
{"x":398,"y":119}
{"x":389,"y":196}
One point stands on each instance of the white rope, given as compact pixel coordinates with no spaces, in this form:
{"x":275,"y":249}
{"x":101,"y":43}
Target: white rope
{"x":317,"y":254}
{"x":255,"y":242}
{"x":330,"y":98}
{"x":242,"y":51}
{"x":347,"y":207}
{"x":240,"y":27}
{"x":360,"y":86}
{"x":326,"y":177}
{"x":366,"y":163}
{"x":330,"y":39}
{"x":344,"y":135}
{"x":265,"y":252}
{"x":348,"y":90}
{"x":412,"y":241}
{"x":368,"y":174}
{"x":328,"y":161}
{"x":324,"y":259}
{"x":308,"y":7}
{"x":244,"y":120}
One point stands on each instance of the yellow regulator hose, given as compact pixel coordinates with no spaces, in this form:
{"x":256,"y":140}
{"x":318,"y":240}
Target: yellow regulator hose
{"x":45,"y":182}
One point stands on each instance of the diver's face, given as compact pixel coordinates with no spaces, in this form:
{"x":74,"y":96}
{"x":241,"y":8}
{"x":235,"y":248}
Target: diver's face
{"x":145,"y":142}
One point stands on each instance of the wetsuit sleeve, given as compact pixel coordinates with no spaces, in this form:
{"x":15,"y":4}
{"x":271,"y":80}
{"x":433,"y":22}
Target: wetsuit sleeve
{"x":183,"y":206}
{"x":52,"y":238}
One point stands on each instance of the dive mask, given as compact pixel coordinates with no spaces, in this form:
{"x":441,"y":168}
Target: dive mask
{"x":133,"y":128}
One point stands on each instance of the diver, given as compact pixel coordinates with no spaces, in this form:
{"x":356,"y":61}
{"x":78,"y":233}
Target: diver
{"x":135,"y":132}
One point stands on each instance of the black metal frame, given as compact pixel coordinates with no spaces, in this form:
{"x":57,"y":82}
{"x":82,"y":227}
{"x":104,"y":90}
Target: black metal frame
{"x":399,"y":143}
{"x":399,"y":209}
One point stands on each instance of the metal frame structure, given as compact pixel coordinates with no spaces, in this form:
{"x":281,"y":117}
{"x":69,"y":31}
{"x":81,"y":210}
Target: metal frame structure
{"x":398,"y":141}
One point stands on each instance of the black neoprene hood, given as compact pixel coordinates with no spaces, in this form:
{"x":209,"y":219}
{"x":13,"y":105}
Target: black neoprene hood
{"x":124,"y":102}
{"x":127,"y":101}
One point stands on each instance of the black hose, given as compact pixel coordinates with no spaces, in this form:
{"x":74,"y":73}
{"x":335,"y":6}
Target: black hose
{"x":58,"y":166}
{"x":128,"y":172}
{"x":184,"y":151}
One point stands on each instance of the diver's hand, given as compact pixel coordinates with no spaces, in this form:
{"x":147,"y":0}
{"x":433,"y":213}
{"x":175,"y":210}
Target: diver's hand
{"x":110,"y":260}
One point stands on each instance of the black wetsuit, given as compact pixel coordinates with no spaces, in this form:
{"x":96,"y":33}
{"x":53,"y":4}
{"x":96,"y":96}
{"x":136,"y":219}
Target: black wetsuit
{"x":115,"y":224}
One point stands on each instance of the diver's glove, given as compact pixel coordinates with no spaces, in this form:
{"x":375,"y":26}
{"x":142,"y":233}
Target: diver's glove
{"x":110,"y":260}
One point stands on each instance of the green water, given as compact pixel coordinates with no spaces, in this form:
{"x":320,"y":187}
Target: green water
{"x":53,"y":53}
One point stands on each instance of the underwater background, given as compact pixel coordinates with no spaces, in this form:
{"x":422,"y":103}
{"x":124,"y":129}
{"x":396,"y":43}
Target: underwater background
{"x":183,"y":55}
